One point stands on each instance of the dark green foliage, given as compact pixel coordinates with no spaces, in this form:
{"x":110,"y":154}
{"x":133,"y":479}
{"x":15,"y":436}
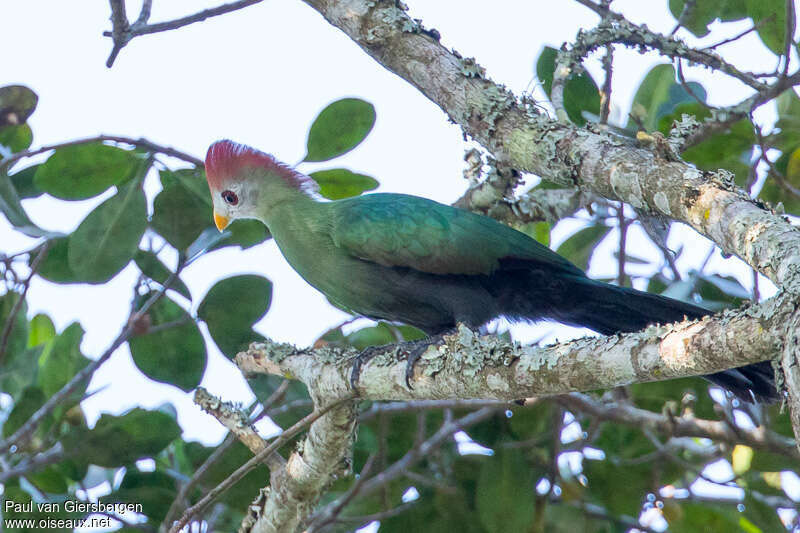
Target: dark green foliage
{"x":701,"y":13}
{"x":179,"y":215}
{"x":84,"y":170}
{"x":504,"y":493}
{"x":26,"y":404}
{"x":660,"y":95}
{"x":121,"y":440}
{"x":174,"y":355}
{"x":339,"y":128}
{"x":338,"y":183}
{"x":581,"y":93}
{"x":231,"y":307}
{"x":154,"y":490}
{"x":61,"y":359}
{"x":579,"y":247}
{"x":109,"y":236}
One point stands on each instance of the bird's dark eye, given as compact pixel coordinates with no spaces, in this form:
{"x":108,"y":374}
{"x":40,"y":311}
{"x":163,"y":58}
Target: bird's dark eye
{"x":230,"y":197}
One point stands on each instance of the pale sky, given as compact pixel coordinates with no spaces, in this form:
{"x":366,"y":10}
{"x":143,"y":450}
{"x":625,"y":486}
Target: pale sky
{"x":260,"y":76}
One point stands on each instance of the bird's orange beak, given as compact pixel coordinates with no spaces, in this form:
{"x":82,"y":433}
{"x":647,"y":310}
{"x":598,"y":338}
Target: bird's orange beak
{"x":221,"y":221}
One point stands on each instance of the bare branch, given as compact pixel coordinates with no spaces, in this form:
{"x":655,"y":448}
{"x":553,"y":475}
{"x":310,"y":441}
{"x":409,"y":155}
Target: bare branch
{"x":679,"y":426}
{"x":122,"y":32}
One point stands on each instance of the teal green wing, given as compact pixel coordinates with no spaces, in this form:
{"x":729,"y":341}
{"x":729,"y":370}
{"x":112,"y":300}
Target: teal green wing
{"x":407,"y":231}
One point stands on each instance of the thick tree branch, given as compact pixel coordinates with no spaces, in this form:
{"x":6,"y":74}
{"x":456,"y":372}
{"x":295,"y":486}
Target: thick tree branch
{"x":591,"y":160}
{"x":471,"y":366}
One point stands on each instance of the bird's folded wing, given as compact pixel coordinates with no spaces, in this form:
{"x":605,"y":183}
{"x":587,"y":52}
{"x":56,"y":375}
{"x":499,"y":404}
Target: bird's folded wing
{"x":407,"y":231}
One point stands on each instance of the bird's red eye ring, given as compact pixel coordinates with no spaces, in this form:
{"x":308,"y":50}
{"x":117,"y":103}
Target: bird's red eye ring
{"x":230,"y":197}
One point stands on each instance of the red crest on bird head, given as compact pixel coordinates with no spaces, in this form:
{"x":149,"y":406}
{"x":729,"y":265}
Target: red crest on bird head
{"x":226,"y":159}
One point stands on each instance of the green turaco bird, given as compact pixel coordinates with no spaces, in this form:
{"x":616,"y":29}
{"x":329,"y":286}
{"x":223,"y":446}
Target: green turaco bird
{"x":408,"y":259}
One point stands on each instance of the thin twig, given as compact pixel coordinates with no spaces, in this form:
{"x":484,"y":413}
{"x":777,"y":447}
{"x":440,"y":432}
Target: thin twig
{"x":140,"y":143}
{"x":119,"y":29}
{"x":50,"y":456}
{"x":122,"y":32}
{"x":790,"y":27}
{"x":605,"y":97}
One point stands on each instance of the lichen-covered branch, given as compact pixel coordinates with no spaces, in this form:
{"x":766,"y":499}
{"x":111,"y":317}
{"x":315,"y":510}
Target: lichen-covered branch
{"x":589,"y":159}
{"x":468,"y":365}
{"x":321,"y":457}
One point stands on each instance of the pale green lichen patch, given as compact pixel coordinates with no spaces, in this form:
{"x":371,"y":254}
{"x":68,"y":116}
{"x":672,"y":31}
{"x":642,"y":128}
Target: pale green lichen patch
{"x":274,"y":351}
{"x":662,"y":203}
{"x":332,"y":354}
{"x":468,"y":353}
{"x":471,"y":69}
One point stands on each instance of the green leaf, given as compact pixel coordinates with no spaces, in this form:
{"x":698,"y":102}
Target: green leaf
{"x":31,"y":399}
{"x":762,"y":515}
{"x":338,"y":183}
{"x":12,"y":209}
{"x":121,"y":440}
{"x":704,"y":12}
{"x":339,"y":128}
{"x":17,"y":103}
{"x":41,"y":330}
{"x":50,"y":479}
{"x":579,"y":247}
{"x":23,"y":182}
{"x":504,"y":494}
{"x":580,"y":91}
{"x":16,"y":138}
{"x":55,"y":265}
{"x":537,"y":230}
{"x":18,"y":337}
{"x":730,"y":149}
{"x":231,"y":307}
{"x":155,"y":491}
{"x":770,"y":17}
{"x":109,"y":236}
{"x":659,"y":95}
{"x":726,"y":289}
{"x":61,"y":359}
{"x":787,"y":164}
{"x":371,"y":336}
{"x":152,"y":267}
{"x":788,"y":138}
{"x":241,"y":494}
{"x":174,"y":355}
{"x":697,"y":517}
{"x":85,"y":170}
{"x":180,"y":215}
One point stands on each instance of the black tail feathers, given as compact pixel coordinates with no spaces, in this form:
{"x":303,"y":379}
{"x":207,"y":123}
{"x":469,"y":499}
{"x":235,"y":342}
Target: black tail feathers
{"x":610,"y":309}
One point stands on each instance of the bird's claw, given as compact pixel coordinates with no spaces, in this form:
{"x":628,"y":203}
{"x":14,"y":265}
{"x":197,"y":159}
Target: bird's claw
{"x":360,"y":360}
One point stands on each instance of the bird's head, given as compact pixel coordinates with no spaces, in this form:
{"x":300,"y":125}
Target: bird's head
{"x":245,"y":182}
